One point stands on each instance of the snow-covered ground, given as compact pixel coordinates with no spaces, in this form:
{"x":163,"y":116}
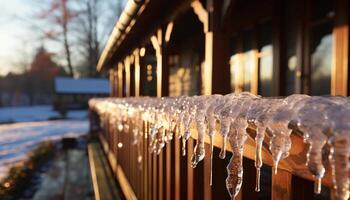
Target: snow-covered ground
{"x":35,"y":113}
{"x":16,"y":140}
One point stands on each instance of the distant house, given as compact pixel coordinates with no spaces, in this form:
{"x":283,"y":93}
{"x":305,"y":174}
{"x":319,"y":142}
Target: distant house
{"x":73,"y":93}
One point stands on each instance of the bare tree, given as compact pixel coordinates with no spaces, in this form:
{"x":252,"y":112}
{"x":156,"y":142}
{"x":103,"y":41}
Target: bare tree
{"x":61,"y":15}
{"x":93,"y":25}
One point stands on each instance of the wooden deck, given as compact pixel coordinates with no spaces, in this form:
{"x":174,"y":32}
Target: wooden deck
{"x":105,"y":187}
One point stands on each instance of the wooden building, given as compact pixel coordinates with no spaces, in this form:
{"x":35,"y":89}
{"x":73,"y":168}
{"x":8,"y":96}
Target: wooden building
{"x":272,"y":48}
{"x":73,"y":94}
{"x":190,"y":47}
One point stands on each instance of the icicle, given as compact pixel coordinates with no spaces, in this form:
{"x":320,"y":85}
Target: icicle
{"x":281,"y":115}
{"x":186,"y":133}
{"x":202,"y":105}
{"x":311,"y":121}
{"x":314,"y":158}
{"x":199,"y":151}
{"x":160,"y":141}
{"x":340,"y":150}
{"x":210,"y":118}
{"x":339,"y":160}
{"x":184,"y":141}
{"x":234,"y":178}
{"x":211,"y":161}
{"x":259,"y":138}
{"x":225,"y":121}
{"x":237,"y":138}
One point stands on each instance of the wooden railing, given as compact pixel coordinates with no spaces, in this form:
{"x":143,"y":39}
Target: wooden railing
{"x":169,"y":175}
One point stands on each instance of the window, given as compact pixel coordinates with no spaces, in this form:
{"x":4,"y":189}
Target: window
{"x":290,"y":61}
{"x":265,"y":60}
{"x":321,"y":46}
{"x":251,"y":66}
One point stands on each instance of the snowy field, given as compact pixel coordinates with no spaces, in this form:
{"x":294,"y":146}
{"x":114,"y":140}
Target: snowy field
{"x":16,"y":140}
{"x":35,"y":113}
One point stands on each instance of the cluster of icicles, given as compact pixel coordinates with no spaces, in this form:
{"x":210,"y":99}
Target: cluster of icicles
{"x":323,"y":121}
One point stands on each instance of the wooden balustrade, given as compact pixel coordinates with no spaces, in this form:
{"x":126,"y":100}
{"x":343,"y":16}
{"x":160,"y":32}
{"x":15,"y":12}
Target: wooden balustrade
{"x":169,"y":175}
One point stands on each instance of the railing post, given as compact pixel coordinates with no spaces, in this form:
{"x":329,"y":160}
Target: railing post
{"x":281,"y":185}
{"x":177,"y":178}
{"x":189,"y":169}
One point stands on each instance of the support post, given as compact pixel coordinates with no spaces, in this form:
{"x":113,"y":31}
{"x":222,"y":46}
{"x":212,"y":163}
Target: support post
{"x":137,"y":72}
{"x":339,"y":85}
{"x":216,"y":71}
{"x":120,"y":80}
{"x":159,"y":44}
{"x":127,"y":64}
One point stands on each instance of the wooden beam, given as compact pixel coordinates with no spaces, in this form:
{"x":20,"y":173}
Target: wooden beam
{"x":202,"y":14}
{"x":169,"y":167}
{"x":207,"y":69}
{"x":120,"y":80}
{"x":281,"y":186}
{"x":215,"y":71}
{"x":161,"y":177}
{"x":277,"y":25}
{"x":159,"y":45}
{"x":137,"y":72}
{"x":177,"y":168}
{"x":189,"y":169}
{"x":206,"y":173}
{"x":127,"y":63}
{"x":339,"y":84}
{"x":154,"y":177}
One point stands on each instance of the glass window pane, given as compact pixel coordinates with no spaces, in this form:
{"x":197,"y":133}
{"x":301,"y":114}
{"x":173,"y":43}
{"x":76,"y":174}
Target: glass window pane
{"x":321,"y":59}
{"x":248,"y":59}
{"x":235,"y":66}
{"x":248,"y":67}
{"x":236,"y":72}
{"x":265,"y":59}
{"x":322,"y":9}
{"x":265,"y":71}
{"x":290,"y":58}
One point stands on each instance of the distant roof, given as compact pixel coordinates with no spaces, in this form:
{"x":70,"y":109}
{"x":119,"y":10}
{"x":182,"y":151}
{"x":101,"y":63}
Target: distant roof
{"x":68,"y":85}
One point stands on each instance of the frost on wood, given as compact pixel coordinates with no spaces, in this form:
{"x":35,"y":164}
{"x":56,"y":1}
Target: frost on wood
{"x":321,"y":120}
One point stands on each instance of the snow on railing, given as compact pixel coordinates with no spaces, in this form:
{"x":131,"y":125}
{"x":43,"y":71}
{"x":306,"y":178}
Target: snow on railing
{"x":322,"y":120}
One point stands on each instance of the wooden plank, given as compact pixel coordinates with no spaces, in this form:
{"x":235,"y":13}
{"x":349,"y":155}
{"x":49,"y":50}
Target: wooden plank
{"x":150,"y":170}
{"x":221,"y":50}
{"x":219,"y":190}
{"x":248,"y":185}
{"x":177,"y":168}
{"x":281,"y":185}
{"x":198,"y":181}
{"x":189,"y":169}
{"x":160,"y":187}
{"x":125,"y":185}
{"x":277,"y":50}
{"x":137,"y":72}
{"x":154,"y":177}
{"x":127,"y":76}
{"x":169,"y":166}
{"x":339,"y":84}
{"x":120,"y":79}
{"x":302,"y":189}
{"x":206,"y":174}
{"x":102,"y":177}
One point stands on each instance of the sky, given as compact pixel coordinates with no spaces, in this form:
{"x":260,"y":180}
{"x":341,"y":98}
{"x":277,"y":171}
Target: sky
{"x":16,"y":34}
{"x":21,"y":31}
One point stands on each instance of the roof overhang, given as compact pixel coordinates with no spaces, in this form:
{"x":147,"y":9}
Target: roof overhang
{"x":136,"y":24}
